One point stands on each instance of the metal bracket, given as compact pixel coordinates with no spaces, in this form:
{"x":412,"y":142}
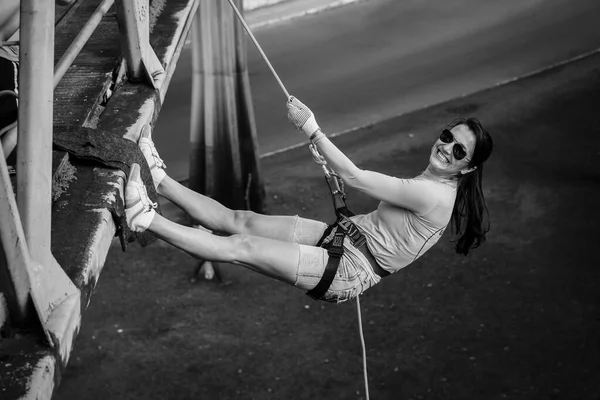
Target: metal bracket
{"x":134,"y":27}
{"x":55,"y":298}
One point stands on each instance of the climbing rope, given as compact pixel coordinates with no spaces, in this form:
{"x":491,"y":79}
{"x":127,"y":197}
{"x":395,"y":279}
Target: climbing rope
{"x":363,"y":345}
{"x":262,"y":53}
{"x":337,"y":185}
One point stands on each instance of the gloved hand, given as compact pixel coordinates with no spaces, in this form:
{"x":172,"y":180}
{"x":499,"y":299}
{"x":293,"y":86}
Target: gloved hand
{"x":301,"y":116}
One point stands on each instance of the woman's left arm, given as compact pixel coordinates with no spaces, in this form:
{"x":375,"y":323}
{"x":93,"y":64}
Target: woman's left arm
{"x":414,"y":195}
{"x":411,"y":194}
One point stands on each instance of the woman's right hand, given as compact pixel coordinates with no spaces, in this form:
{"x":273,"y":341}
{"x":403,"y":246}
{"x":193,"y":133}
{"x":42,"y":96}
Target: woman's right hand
{"x":301,"y":117}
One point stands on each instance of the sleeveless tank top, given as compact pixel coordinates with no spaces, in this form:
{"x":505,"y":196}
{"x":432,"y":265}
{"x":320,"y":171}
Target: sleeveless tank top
{"x":397,"y":236}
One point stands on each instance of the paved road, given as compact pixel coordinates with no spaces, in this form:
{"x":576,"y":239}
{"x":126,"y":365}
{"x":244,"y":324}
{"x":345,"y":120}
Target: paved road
{"x":374,"y":59}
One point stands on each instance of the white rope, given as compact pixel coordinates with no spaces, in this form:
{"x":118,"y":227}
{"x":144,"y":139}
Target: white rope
{"x":262,"y":53}
{"x":364,"y":347}
{"x":323,"y":163}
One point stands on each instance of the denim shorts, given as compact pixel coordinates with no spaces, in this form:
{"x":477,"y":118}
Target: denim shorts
{"x":354,"y":274}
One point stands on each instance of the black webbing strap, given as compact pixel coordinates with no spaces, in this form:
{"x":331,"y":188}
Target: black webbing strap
{"x":341,"y":228}
{"x":335,"y":250}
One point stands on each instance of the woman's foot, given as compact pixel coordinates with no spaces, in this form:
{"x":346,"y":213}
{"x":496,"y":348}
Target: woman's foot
{"x":156,"y":164}
{"x":139,"y":210}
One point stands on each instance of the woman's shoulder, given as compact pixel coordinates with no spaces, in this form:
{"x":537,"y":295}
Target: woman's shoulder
{"x":441,"y":186}
{"x":441,"y":193}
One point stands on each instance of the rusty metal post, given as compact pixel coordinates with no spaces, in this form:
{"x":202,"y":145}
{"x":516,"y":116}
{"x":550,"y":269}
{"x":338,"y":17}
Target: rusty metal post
{"x":14,"y":277}
{"x":224,"y":160}
{"x":55,"y":297}
{"x":133,"y":17}
{"x":254,"y":193}
{"x":34,"y":153}
{"x":201,"y":131}
{"x":130,"y":28}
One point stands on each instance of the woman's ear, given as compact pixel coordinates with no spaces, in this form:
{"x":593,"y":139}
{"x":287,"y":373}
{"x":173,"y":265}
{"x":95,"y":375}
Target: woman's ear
{"x":467,"y":170}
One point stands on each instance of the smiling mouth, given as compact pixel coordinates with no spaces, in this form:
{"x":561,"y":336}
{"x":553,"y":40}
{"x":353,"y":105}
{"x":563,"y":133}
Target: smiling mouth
{"x":442,"y":157}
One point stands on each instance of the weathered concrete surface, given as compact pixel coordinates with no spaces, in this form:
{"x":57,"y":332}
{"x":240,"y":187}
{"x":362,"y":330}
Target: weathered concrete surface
{"x":83,"y":224}
{"x":516,"y":319}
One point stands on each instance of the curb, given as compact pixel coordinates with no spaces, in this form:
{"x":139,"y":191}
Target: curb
{"x":250,"y":5}
{"x":319,"y":7}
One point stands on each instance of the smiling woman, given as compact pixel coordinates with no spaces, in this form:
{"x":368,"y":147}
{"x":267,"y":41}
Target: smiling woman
{"x":462,"y":149}
{"x":470,"y":211}
{"x":411,"y":217}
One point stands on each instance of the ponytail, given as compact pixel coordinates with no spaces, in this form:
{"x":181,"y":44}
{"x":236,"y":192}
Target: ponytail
{"x":470,"y":216}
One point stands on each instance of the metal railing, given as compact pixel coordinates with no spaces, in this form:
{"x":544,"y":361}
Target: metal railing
{"x":25,"y":231}
{"x":26,"y":223}
{"x":82,"y":37}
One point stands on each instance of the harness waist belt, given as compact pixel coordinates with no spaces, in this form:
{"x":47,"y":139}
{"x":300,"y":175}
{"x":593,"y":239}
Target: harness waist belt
{"x":340,"y":229}
{"x":376,"y":267}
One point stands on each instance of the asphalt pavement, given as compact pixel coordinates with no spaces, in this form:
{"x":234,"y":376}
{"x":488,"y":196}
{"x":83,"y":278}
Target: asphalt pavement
{"x":374,"y":59}
{"x":516,"y":319}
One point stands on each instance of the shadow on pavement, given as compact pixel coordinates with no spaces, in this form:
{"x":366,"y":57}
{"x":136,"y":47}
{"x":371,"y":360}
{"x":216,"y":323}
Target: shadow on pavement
{"x":517,"y":319}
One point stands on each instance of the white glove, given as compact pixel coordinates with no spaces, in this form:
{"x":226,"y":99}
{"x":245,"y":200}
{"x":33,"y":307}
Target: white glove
{"x":301,"y":116}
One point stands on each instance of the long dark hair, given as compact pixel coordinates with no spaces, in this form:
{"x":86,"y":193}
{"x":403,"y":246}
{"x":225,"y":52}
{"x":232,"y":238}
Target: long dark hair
{"x":470,"y":216}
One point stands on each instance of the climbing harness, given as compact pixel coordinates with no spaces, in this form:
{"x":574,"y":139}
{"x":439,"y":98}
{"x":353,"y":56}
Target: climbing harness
{"x":333,"y":238}
{"x":341,"y":228}
{"x":343,"y":225}
{"x":262,"y":53}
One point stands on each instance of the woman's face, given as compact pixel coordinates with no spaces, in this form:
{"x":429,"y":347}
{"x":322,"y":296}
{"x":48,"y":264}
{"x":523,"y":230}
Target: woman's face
{"x":442,"y":160}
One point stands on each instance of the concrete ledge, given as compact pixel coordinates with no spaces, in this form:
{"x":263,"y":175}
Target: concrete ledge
{"x":82,"y":223}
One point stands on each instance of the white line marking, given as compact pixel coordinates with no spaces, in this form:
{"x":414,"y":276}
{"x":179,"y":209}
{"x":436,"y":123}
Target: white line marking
{"x":303,"y":13}
{"x":498,"y":84}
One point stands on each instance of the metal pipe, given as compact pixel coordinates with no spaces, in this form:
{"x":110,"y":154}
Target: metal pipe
{"x":34,"y":153}
{"x":134,"y":29}
{"x":82,"y":37}
{"x":12,"y":241}
{"x":200,"y":136}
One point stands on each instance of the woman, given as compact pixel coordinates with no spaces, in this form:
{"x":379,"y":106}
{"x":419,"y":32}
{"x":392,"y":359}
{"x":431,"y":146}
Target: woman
{"x":411,"y":216}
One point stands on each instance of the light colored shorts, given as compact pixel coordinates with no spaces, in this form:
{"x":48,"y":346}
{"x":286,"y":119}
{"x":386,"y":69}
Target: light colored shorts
{"x":354,"y":274}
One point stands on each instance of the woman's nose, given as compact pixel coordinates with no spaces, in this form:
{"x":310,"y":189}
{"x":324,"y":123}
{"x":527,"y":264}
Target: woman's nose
{"x":447,"y":148}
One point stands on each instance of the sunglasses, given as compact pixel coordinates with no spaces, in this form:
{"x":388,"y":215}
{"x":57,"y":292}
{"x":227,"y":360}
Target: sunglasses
{"x":458,"y":151}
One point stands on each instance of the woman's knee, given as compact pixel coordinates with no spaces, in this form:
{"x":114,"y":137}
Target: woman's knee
{"x":243,"y":220}
{"x":242,"y":247}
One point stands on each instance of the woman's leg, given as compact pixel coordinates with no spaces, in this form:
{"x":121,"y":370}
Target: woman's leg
{"x":216,"y":217}
{"x":270,"y":257}
{"x":9,"y":141}
{"x":213,"y":215}
{"x":9,"y":18}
